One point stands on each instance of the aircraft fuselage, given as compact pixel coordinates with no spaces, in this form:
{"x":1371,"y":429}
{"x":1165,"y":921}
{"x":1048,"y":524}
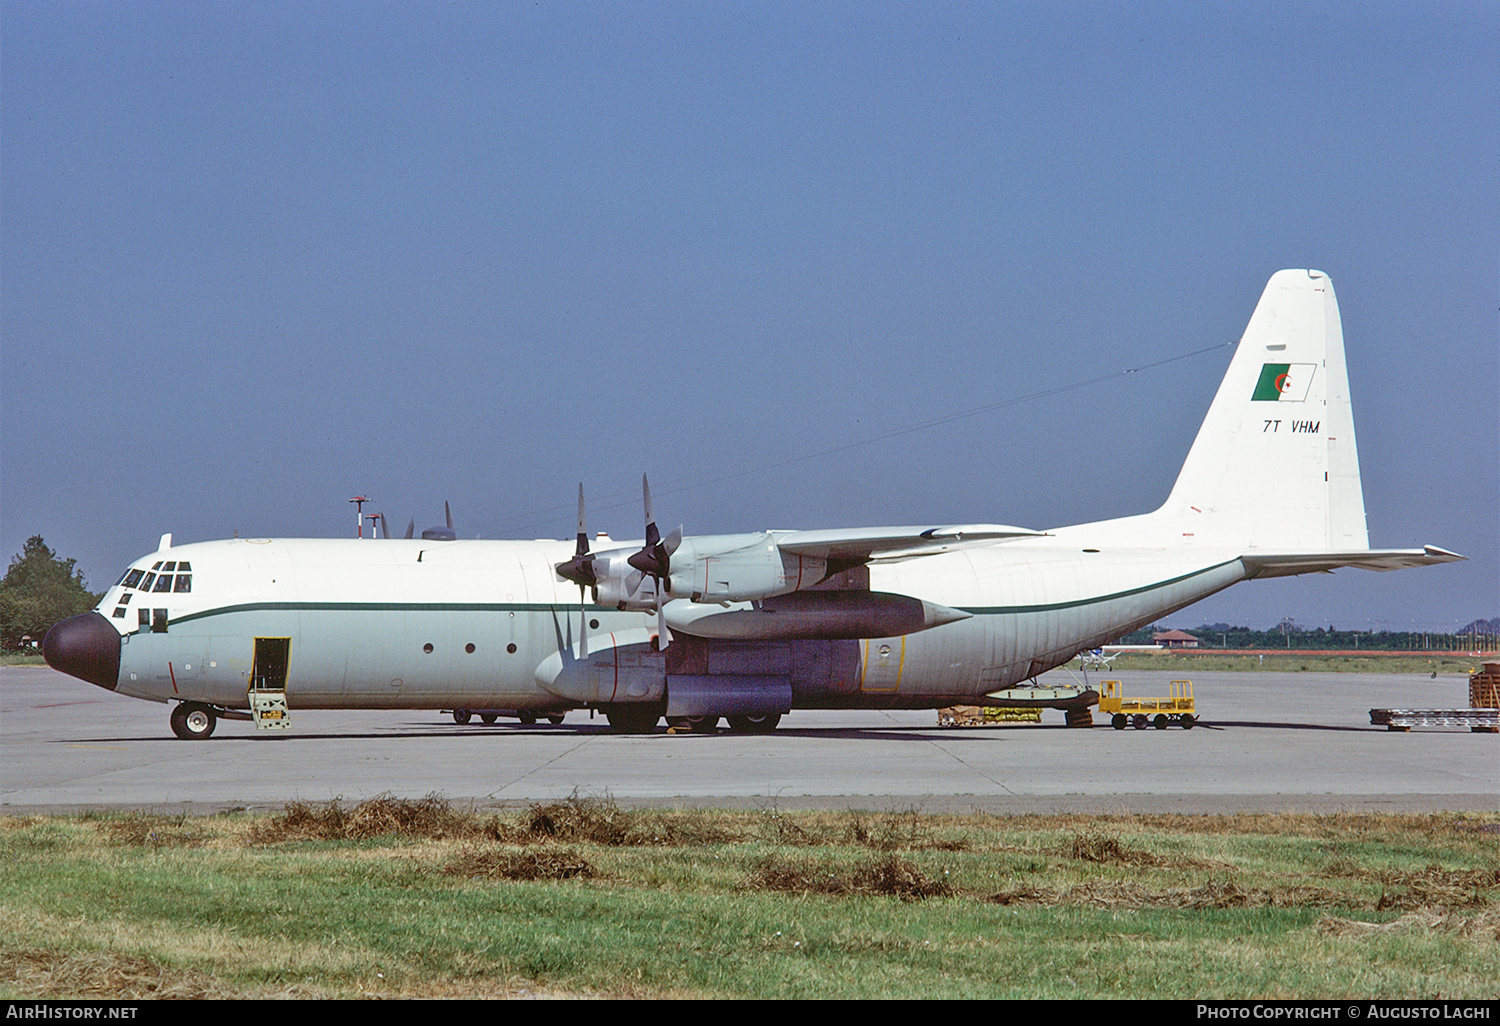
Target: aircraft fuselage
{"x":412,"y":624}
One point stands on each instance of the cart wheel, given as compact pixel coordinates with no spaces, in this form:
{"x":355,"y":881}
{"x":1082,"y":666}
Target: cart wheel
{"x":1188,"y":721}
{"x":1160,"y":722}
{"x":1118,"y":721}
{"x":487,"y":717}
{"x":1140,"y":721}
{"x":461,"y":716}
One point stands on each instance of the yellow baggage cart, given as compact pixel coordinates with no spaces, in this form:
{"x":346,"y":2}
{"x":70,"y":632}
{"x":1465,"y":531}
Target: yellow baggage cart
{"x":1140,"y":713}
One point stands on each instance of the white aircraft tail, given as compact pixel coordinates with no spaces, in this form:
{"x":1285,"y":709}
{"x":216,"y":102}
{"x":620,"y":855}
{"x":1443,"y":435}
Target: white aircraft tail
{"x":1275,"y":466}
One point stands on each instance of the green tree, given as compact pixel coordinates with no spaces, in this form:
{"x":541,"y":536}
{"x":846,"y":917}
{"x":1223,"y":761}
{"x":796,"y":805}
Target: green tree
{"x":39,"y":590}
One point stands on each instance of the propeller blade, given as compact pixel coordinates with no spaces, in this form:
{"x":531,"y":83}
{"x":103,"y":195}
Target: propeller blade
{"x":653,"y":558}
{"x":583,"y":626}
{"x":580,"y":569}
{"x":410,"y":527}
{"x":385,"y":532}
{"x":448,"y":514}
{"x":663,"y":636}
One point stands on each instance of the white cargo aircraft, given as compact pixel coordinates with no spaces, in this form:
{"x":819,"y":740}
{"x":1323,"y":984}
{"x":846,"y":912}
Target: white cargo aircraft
{"x":751,"y":626}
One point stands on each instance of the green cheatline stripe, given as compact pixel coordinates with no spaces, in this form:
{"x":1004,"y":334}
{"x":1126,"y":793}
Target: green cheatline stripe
{"x":548,"y":607}
{"x":1266,"y":389}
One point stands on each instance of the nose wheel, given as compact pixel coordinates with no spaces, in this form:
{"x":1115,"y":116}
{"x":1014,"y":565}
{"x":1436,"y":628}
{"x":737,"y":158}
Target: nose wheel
{"x":192,"y":721}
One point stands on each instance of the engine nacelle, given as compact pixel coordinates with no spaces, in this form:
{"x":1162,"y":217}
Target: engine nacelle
{"x":714,"y":568}
{"x":739,"y":568}
{"x":622,"y":585}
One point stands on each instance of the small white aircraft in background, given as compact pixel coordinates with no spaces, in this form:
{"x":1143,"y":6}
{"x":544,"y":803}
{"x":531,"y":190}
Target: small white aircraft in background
{"x":752,"y":626}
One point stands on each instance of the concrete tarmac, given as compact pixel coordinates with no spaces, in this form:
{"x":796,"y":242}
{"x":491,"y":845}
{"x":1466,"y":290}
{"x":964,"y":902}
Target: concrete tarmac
{"x":1268,"y":742}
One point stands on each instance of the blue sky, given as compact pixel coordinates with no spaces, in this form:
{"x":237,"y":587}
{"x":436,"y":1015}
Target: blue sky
{"x":258,"y":258}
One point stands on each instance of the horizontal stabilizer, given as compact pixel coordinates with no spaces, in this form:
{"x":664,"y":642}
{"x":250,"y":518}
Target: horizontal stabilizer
{"x":1290,"y":564}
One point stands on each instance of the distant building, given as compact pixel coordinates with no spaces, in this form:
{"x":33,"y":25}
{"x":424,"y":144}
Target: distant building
{"x":1174,"y":639}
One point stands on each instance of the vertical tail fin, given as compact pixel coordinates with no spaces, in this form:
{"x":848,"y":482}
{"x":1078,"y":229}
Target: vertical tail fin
{"x":1275,"y":464}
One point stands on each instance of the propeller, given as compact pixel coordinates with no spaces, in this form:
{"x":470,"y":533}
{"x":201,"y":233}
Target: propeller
{"x":580,"y":570}
{"x":442,"y":533}
{"x":655,"y":560}
{"x":428,"y":533}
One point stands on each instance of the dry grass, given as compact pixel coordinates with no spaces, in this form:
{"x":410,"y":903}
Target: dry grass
{"x":532,"y":864}
{"x":1483,"y":926}
{"x":891,"y":875}
{"x":102,"y":974}
{"x":430,"y":817}
{"x":149,"y":830}
{"x":1212,"y":894}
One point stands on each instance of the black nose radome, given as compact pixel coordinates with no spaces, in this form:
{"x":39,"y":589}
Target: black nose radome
{"x":86,"y":647}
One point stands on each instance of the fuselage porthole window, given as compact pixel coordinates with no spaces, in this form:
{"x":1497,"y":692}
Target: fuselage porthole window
{"x":124,"y":599}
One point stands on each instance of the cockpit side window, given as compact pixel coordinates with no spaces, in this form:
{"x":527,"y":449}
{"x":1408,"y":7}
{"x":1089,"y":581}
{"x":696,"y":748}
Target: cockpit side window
{"x":146,"y":584}
{"x":164,"y":583}
{"x":184,"y":583}
{"x":132,"y":578}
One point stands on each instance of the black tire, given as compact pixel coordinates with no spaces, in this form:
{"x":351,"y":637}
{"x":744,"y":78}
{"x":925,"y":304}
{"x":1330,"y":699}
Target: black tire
{"x":555,"y":718}
{"x":1160,"y":723}
{"x":462,"y":715}
{"x":1119,"y":721}
{"x":526,"y":716}
{"x":1139,"y":722}
{"x":488,"y":717}
{"x":193,"y":721}
{"x":633,"y":719}
{"x":1187,"y":721}
{"x":754,"y":724}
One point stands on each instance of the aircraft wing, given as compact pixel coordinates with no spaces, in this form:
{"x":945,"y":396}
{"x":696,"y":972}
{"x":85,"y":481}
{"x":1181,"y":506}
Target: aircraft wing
{"x":1291,"y":563}
{"x":862,"y":544}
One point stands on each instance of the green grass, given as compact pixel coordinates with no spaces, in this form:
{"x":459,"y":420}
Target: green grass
{"x":585,"y":898}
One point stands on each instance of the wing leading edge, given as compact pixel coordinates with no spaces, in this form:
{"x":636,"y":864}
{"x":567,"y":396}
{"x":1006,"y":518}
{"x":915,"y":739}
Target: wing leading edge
{"x":862,"y":544}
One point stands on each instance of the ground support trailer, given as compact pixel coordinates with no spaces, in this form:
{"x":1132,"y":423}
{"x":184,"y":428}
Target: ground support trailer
{"x":1178,"y":707}
{"x":1480,"y":721}
{"x":1482,"y":716}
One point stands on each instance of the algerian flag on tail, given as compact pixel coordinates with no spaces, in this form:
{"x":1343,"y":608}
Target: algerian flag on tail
{"x":1283,"y":382}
